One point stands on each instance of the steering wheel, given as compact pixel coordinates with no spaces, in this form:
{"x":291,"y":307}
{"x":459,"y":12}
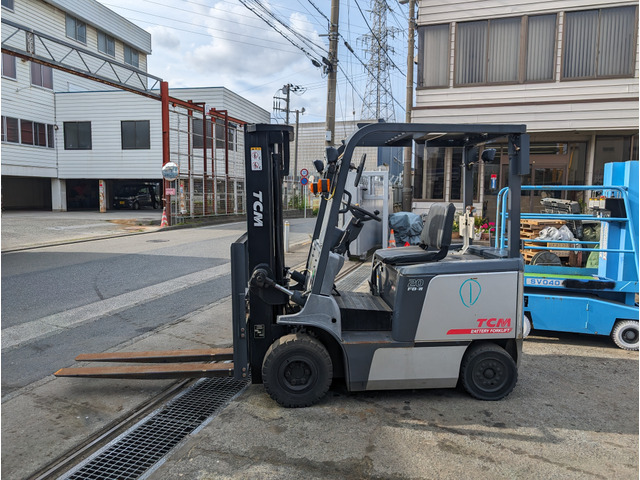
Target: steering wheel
{"x":362,"y":214}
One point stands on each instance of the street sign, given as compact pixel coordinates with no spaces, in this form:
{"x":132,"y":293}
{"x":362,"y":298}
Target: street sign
{"x":170,"y":191}
{"x":304,"y":180}
{"x":304,"y":173}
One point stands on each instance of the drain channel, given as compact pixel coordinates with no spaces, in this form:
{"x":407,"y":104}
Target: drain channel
{"x":142,"y":446}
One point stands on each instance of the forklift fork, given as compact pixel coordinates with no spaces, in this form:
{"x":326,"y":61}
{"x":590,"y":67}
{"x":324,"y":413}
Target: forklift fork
{"x":166,"y":364}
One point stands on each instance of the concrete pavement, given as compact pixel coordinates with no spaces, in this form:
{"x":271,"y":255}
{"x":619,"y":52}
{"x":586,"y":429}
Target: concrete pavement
{"x":22,"y":230}
{"x":573,"y":414}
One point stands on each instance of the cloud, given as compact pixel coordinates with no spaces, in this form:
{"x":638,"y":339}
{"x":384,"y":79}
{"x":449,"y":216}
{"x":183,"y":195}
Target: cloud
{"x":252,"y":47}
{"x":164,"y":37}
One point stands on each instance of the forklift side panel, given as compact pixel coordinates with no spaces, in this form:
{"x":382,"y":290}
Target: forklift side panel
{"x":415,"y":367}
{"x":477,"y":308}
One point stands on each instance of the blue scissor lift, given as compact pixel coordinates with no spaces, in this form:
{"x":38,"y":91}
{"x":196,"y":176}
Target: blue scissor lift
{"x":578,"y":299}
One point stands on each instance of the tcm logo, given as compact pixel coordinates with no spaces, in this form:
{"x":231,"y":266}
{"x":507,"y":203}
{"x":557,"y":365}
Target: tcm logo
{"x":485,"y":326}
{"x":494,"y":322}
{"x":258,"y":209}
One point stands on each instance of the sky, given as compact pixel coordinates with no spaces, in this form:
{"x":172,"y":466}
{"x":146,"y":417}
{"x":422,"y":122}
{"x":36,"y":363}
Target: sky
{"x":203,"y":43}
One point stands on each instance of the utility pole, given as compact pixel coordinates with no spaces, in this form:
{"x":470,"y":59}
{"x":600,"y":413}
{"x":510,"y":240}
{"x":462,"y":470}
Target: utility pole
{"x":295,"y":155}
{"x":286,"y":89}
{"x":333,"y":74}
{"x":407,"y":192}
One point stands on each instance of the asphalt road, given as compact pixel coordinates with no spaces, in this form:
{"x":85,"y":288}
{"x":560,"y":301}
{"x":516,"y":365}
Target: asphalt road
{"x":92,"y":296}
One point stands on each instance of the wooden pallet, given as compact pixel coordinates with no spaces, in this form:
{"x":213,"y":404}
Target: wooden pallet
{"x":540,"y":224}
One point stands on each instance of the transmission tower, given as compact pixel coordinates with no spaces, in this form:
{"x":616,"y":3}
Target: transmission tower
{"x":378,"y":98}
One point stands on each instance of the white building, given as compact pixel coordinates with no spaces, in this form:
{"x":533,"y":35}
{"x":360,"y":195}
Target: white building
{"x":566,"y":69}
{"x":62,"y":132}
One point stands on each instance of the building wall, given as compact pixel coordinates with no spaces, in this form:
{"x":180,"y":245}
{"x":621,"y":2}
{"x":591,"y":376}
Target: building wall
{"x":311,"y":145}
{"x":558,"y":105}
{"x":214,"y":97}
{"x":22,"y":100}
{"x":106,"y":110}
{"x":465,"y":10}
{"x":576,"y":125}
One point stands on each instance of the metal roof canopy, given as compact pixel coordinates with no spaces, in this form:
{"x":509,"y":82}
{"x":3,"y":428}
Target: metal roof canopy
{"x":435,"y":134}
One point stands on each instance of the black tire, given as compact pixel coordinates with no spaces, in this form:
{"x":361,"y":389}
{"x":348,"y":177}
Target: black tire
{"x":527,"y":325}
{"x":297,"y":370}
{"x":135,"y":206}
{"x":625,"y":334}
{"x":488,"y":372}
{"x":155,"y":205}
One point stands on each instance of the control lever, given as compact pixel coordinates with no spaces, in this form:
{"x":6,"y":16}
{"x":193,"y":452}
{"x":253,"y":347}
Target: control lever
{"x":260,"y":278}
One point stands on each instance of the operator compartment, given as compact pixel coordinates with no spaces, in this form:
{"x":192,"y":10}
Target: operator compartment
{"x":456,"y":298}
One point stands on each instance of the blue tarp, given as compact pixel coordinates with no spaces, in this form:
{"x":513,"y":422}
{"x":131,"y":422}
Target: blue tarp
{"x":406,"y":227}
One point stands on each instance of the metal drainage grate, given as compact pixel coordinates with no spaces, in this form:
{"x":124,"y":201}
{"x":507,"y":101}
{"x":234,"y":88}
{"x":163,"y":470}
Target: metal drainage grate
{"x":134,"y":452}
{"x":355,"y":279}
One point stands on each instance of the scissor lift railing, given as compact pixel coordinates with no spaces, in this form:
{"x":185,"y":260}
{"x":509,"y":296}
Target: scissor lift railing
{"x":501,"y":240}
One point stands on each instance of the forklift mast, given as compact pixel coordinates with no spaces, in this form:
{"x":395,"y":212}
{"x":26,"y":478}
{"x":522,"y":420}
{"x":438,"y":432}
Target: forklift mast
{"x":262,"y":247}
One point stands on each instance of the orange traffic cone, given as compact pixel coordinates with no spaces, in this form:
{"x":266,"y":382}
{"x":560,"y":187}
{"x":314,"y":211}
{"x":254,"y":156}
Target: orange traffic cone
{"x":392,"y":239}
{"x":164,"y":222}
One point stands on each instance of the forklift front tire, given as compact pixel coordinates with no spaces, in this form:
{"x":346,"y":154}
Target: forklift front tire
{"x":488,"y":372}
{"x":297,"y":370}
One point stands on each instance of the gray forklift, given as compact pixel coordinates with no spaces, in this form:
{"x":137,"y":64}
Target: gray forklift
{"x":435,"y":316}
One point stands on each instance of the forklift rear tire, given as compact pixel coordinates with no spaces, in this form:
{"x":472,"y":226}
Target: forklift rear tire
{"x":625,"y":334}
{"x":297,"y":370}
{"x":488,"y":372}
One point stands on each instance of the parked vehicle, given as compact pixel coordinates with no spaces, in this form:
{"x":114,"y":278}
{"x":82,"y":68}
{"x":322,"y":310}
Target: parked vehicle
{"x":136,"y":196}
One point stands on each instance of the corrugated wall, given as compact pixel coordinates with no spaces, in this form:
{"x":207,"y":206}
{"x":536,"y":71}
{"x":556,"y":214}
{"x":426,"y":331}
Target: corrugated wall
{"x":107,"y":159}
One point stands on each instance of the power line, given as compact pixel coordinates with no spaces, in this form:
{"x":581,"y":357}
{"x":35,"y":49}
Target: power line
{"x":302,"y":49}
{"x":306,"y":41}
{"x":235,"y":34}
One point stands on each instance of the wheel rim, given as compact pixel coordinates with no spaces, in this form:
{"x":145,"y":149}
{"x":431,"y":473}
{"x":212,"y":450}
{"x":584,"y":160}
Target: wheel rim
{"x":629,"y":335}
{"x":490,"y":375}
{"x":297,"y":373}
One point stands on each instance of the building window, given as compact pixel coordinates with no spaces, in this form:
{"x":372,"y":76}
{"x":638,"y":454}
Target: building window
{"x":135,"y":135}
{"x":7,"y":4}
{"x":131,"y":56}
{"x":26,"y":132}
{"x":220,"y":142}
{"x":50,"y":136}
{"x":76,"y":29}
{"x":490,"y":51}
{"x":8,"y":66}
{"x":197,"y":135}
{"x":599,"y":43}
{"x":433,"y":69}
{"x":77,"y":135}
{"x":41,"y":75}
{"x":106,"y":44}
{"x":541,"y":44}
{"x":10,"y":130}
{"x":39,"y":134}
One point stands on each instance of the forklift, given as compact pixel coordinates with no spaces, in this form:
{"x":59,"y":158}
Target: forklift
{"x":435,"y":315}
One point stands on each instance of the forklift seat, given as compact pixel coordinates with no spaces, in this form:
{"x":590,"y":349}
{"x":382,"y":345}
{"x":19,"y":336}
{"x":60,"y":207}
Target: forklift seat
{"x":435,"y":239}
